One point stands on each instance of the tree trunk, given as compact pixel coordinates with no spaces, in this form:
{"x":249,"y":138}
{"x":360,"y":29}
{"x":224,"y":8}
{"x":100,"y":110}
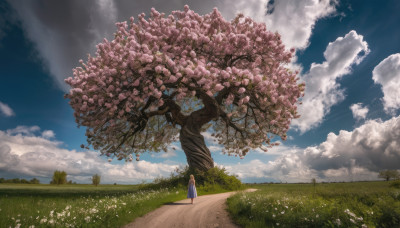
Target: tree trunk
{"x":197,"y":154}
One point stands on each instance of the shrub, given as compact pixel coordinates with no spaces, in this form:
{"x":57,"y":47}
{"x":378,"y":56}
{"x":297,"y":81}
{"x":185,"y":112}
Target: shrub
{"x":395,"y":184}
{"x":212,"y":180}
{"x":34,"y":181}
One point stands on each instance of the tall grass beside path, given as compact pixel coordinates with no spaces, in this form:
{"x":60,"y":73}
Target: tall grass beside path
{"x":360,"y":204}
{"x":102,"y":206}
{"x":65,"y":207}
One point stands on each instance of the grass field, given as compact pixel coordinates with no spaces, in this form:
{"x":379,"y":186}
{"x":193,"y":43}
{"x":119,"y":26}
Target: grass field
{"x":358,"y":204}
{"x":27,"y":205}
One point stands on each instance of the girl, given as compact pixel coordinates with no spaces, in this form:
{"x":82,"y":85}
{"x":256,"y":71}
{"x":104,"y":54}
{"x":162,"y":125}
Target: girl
{"x":192,"y":193}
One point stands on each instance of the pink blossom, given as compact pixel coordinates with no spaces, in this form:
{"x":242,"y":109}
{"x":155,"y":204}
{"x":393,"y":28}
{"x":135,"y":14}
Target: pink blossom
{"x":136,"y":83}
{"x":218,"y":87}
{"x":186,"y":52}
{"x":121,"y":96}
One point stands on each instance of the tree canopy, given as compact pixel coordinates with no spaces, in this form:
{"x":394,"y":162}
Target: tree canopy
{"x":59,"y":177}
{"x":96,"y":179}
{"x":389,"y":174}
{"x":163,"y":73}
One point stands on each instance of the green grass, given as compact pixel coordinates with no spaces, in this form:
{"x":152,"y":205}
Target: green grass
{"x":83,"y":205}
{"x":358,"y":204}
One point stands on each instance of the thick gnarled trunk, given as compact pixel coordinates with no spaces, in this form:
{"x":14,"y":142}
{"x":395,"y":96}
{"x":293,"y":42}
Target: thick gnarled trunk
{"x":197,"y":154}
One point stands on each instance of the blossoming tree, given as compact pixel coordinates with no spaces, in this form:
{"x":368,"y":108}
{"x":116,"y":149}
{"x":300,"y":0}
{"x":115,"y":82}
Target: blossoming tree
{"x":180,"y":75}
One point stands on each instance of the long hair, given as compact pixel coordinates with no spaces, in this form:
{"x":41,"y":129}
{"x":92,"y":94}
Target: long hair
{"x":191,"y":177}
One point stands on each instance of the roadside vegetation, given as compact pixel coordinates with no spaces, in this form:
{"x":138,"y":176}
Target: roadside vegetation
{"x":42,"y":205}
{"x":358,"y":204}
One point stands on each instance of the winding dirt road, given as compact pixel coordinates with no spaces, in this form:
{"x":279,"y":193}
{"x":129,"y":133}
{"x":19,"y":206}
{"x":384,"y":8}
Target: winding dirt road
{"x":207,"y":211}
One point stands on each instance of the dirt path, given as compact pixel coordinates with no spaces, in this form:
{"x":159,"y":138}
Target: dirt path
{"x":207,"y":211}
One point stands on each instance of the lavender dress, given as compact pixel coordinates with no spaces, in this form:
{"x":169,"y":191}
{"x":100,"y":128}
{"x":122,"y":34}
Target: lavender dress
{"x":192,"y":193}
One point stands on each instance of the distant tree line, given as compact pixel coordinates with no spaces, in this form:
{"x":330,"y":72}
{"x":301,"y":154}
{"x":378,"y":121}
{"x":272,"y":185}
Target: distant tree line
{"x":60,"y":177}
{"x":20,"y":181}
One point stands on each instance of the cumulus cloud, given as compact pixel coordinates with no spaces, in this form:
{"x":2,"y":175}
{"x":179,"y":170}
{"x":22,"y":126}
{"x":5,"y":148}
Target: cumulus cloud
{"x":348,"y":156}
{"x":322,"y":89}
{"x":359,"y":112}
{"x":6,"y":110}
{"x":293,"y":19}
{"x":387,"y":74}
{"x":24,"y":151}
{"x":26,"y":130}
{"x":48,"y":134}
{"x":64,"y":32}
{"x":284,"y":168}
{"x":170,"y":152}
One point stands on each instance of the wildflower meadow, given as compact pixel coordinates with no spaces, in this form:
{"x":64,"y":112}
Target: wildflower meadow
{"x":78,"y":205}
{"x":358,"y":204}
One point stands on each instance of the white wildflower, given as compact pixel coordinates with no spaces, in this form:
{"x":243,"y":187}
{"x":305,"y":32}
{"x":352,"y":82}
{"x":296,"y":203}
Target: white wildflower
{"x":93,"y":210}
{"x":43,"y":220}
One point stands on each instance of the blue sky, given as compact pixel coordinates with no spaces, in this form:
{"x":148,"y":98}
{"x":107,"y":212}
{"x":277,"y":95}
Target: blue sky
{"x":347,"y":53}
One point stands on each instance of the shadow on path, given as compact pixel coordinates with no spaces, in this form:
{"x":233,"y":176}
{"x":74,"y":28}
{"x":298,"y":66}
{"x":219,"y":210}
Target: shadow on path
{"x":172,"y":203}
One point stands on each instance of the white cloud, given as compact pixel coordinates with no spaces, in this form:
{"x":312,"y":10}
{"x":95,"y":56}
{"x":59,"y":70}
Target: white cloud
{"x":64,"y":32}
{"x":349,"y":156}
{"x":22,"y":153}
{"x":48,"y":134}
{"x":25,"y":130}
{"x":278,"y":150}
{"x":170,"y":152}
{"x":359,"y":112}
{"x":322,"y":89}
{"x":387,"y":74}
{"x":293,"y":19}
{"x":285,"y":169}
{"x":6,"y":110}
